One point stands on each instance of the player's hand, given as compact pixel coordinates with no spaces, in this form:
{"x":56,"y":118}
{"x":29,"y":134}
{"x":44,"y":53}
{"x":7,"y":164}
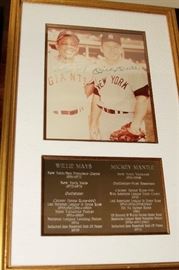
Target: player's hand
{"x":134,"y":129}
{"x":95,"y":133}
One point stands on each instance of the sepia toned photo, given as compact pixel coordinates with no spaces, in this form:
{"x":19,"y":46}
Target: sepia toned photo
{"x":97,"y":85}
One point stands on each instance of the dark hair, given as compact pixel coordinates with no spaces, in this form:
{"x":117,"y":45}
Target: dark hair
{"x":111,"y":37}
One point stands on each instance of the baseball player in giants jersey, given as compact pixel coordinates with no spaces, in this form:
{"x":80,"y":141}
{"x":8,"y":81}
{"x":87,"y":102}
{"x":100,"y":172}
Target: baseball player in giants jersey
{"x":67,"y":103}
{"x":120,"y":92}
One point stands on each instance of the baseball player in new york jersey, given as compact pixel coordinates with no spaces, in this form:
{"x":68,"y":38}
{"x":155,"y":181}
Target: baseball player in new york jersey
{"x":120,"y":97}
{"x":67,"y":103}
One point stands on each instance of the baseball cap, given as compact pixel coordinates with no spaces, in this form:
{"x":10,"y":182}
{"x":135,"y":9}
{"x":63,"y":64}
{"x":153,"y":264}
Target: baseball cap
{"x":111,"y":37}
{"x":67,"y":34}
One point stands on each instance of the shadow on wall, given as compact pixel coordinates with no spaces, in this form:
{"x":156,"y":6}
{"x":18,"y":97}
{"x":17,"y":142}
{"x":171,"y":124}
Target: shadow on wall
{"x":177,"y":13}
{"x":4,"y":22}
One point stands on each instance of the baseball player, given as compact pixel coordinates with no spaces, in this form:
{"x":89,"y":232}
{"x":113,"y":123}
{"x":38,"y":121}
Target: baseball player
{"x":120,"y":97}
{"x":66,"y":102}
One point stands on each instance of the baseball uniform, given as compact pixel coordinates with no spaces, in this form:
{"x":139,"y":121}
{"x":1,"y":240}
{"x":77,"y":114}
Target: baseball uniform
{"x":67,"y":104}
{"x":117,"y":87}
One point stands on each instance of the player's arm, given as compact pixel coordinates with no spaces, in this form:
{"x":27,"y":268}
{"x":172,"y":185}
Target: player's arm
{"x":94,"y":118}
{"x":141,"y":107}
{"x":89,"y":89}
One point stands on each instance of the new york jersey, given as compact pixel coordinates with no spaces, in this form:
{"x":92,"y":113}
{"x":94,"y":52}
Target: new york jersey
{"x":116,"y":85}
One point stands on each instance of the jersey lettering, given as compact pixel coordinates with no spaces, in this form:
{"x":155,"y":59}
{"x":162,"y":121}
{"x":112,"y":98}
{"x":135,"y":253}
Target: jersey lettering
{"x":58,"y":78}
{"x":101,"y":84}
{"x":116,"y":80}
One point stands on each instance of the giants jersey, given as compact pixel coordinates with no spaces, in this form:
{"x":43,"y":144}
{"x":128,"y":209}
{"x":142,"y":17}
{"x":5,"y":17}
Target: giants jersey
{"x":116,"y":85}
{"x":65,"y":83}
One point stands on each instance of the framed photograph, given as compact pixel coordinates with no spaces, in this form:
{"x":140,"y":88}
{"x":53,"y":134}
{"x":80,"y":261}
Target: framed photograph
{"x":96,"y":80}
{"x":89,"y":158}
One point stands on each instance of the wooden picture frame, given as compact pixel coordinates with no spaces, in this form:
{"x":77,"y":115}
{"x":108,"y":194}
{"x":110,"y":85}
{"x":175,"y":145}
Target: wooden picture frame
{"x":23,"y":145}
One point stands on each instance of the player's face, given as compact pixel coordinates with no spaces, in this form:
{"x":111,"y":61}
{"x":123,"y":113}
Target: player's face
{"x":67,"y":47}
{"x":112,"y":51}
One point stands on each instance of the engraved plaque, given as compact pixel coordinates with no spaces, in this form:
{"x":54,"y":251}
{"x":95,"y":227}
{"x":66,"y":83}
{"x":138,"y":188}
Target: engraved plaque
{"x":103,"y":196}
